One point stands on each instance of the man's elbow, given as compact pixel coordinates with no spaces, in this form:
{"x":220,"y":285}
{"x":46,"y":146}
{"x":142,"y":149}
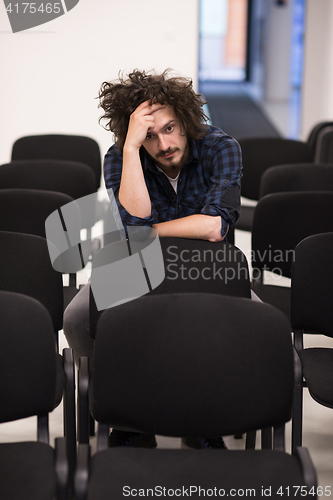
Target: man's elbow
{"x":216,"y":227}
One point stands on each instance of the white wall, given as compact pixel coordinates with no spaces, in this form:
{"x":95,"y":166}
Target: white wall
{"x":51,"y":74}
{"x":317,"y":99}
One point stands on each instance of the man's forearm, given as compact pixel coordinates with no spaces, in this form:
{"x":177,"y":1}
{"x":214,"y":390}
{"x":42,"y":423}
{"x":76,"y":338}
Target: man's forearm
{"x":133,"y":193}
{"x":197,"y":226}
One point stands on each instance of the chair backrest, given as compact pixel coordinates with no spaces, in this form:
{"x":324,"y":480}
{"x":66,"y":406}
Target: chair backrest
{"x":297,"y":177}
{"x":27,"y":358}
{"x":193,"y":266}
{"x":281,"y":221}
{"x":261,"y":153}
{"x":189,"y":364}
{"x":26,"y":210}
{"x":324,"y":146}
{"x":311,"y":285}
{"x":60,"y":147}
{"x":203,"y":266}
{"x":69,"y":177}
{"x":25,"y":267}
{"x":314,"y":133}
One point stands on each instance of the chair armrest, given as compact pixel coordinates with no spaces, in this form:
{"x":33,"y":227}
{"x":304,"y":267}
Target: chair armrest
{"x":61,"y":468}
{"x":308,"y":470}
{"x":81,"y":477}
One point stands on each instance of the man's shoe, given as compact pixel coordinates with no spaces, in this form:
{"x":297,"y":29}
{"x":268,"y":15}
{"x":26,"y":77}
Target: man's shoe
{"x":201,"y":443}
{"x":133,"y":439}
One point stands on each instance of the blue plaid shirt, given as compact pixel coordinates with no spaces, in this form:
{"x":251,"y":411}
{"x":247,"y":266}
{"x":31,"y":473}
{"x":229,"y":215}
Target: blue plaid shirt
{"x":209,"y":182}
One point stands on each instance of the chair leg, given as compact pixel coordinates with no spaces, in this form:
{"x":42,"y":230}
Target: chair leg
{"x":266,"y":438}
{"x":83,"y":402}
{"x":297,"y":417}
{"x":251,"y":440}
{"x":61,"y":468}
{"x":69,"y":411}
{"x":82,"y":472}
{"x":92,"y":431}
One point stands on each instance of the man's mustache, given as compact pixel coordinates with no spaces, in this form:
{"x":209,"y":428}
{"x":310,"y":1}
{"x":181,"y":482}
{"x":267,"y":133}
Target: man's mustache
{"x":167,"y":152}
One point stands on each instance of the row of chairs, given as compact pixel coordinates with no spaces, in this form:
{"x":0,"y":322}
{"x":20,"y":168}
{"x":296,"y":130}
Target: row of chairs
{"x":45,"y":173}
{"x":281,"y":221}
{"x":171,"y":285}
{"x":260,"y":154}
{"x":182,"y":353}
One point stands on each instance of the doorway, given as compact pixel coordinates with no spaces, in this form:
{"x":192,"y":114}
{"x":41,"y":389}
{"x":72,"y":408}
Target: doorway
{"x":223,"y":28}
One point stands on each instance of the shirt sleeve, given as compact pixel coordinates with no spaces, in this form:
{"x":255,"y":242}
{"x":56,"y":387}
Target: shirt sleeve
{"x":112,"y":168}
{"x":223,"y":196}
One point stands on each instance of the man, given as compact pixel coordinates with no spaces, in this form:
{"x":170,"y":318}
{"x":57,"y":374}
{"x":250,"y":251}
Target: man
{"x":168,"y":170}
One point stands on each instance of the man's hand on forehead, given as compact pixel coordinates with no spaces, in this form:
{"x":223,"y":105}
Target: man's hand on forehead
{"x":141,"y":120}
{"x":151,"y":108}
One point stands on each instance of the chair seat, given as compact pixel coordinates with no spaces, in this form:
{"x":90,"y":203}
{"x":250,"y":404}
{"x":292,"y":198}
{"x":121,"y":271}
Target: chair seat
{"x":31,"y":464}
{"x":318,"y":372}
{"x":278,"y":296}
{"x":114,"y":472}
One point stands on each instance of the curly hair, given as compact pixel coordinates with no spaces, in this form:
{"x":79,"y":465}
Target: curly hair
{"x":121,"y":97}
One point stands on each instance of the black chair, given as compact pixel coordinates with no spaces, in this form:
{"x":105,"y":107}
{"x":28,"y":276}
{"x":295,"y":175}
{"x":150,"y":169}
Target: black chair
{"x":312,"y":312}
{"x":74,"y":179}
{"x":25,"y":268}
{"x":69,"y":177}
{"x":314,"y":138}
{"x":281,"y":221}
{"x":191,"y":365}
{"x":297,"y":177}
{"x":60,"y":147}
{"x":190,"y":266}
{"x":26,"y":210}
{"x":28,"y":366}
{"x":258,"y":155}
{"x":324,"y":146}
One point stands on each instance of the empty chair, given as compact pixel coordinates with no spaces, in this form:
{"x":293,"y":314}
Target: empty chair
{"x":74,"y":179}
{"x":297,"y":177}
{"x":68,"y":177}
{"x":312,"y":312}
{"x":258,"y":155}
{"x":26,"y":210}
{"x":313,"y":136}
{"x":324,"y":145}
{"x":28,"y":370}
{"x":25,"y":268}
{"x":60,"y":147}
{"x":197,"y":365}
{"x":281,"y":221}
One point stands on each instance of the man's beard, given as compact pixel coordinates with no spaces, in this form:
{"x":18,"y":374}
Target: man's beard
{"x":172,"y":166}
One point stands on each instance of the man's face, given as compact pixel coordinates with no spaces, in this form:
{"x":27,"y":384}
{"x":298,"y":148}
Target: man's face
{"x":164,"y":142}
